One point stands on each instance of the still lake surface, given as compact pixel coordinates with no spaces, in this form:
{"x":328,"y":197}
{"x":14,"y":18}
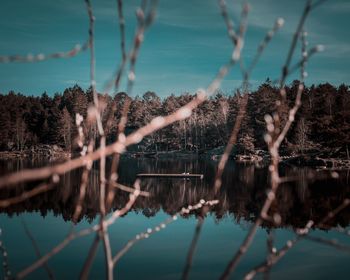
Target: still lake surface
{"x":311,"y":195}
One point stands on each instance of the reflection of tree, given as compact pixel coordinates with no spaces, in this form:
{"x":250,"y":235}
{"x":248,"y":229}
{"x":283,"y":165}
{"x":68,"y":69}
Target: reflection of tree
{"x":244,"y":191}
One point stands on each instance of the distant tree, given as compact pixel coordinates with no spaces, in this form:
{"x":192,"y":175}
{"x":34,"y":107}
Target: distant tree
{"x":136,"y":112}
{"x":5,"y":124}
{"x":35,"y":117}
{"x":302,"y":133}
{"x":21,"y":133}
{"x":171,"y":133}
{"x":46,"y":101}
{"x":66,"y":128}
{"x":246,"y":144}
{"x":323,"y":118}
{"x":53,"y":123}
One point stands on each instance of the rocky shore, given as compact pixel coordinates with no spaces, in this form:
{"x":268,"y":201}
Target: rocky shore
{"x":50,"y":152}
{"x":54,"y":152}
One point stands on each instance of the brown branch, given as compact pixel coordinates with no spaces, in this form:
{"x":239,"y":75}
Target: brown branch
{"x":238,"y":44}
{"x":229,"y":23}
{"x":332,"y":243}
{"x":123,"y":142}
{"x":190,"y":255}
{"x":265,"y":266}
{"x":83,"y":187}
{"x":5,"y":262}
{"x":43,"y":187}
{"x":84,"y":274}
{"x":273,"y":140}
{"x":36,"y":248}
{"x":128,"y":189}
{"x":292,"y":47}
{"x":119,"y":72}
{"x":271,"y":250}
{"x":146,"y":234}
{"x":77,"y":49}
{"x":143,"y":24}
{"x":40,"y":262}
{"x":269,"y":35}
{"x":74,"y":235}
{"x":301,"y":233}
{"x":85,"y":271}
{"x":242,"y":108}
{"x":234,"y":134}
{"x":108,"y":251}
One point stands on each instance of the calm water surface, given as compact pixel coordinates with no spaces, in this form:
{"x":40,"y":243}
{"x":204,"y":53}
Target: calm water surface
{"x":311,"y":196}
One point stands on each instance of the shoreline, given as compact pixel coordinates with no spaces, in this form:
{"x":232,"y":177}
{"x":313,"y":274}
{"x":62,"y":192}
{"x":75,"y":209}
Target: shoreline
{"x":50,"y":152}
{"x":54,"y":152}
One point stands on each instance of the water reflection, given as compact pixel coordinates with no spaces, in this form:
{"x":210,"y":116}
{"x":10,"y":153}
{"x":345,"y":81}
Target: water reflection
{"x":310,"y":196}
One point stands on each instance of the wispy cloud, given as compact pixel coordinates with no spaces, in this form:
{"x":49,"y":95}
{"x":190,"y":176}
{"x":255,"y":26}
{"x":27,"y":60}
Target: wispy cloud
{"x":338,"y":6}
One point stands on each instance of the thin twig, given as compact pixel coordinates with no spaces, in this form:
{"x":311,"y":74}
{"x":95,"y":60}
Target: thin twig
{"x":146,"y":234}
{"x":5,"y":262}
{"x":36,"y":248}
{"x":77,"y":49}
{"x":301,"y":233}
{"x":274,"y":141}
{"x":41,"y":188}
{"x":74,"y":235}
{"x":190,"y":255}
{"x":84,"y":274}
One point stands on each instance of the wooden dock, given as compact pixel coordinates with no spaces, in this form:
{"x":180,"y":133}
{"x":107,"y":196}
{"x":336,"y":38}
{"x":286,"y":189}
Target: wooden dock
{"x":181,"y":175}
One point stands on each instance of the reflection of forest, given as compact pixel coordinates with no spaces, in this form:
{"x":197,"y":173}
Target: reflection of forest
{"x":242,"y":195}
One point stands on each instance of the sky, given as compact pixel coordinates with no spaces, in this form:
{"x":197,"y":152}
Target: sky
{"x":182,"y":50}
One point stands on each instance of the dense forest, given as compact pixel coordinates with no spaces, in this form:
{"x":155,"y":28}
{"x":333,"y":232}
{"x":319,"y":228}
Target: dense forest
{"x":322,"y":123}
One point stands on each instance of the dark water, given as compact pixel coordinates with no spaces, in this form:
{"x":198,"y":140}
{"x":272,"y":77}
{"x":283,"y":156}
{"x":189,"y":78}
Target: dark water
{"x":310,"y":195}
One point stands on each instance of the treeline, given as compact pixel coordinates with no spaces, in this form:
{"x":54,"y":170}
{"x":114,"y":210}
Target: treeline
{"x":322,"y":123}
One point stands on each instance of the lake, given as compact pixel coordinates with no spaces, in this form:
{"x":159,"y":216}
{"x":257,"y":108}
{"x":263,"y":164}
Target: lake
{"x":47,"y":219}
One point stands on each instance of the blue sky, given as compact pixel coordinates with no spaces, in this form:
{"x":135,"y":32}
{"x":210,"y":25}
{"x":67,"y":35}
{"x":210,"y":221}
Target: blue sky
{"x":182,"y":51}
